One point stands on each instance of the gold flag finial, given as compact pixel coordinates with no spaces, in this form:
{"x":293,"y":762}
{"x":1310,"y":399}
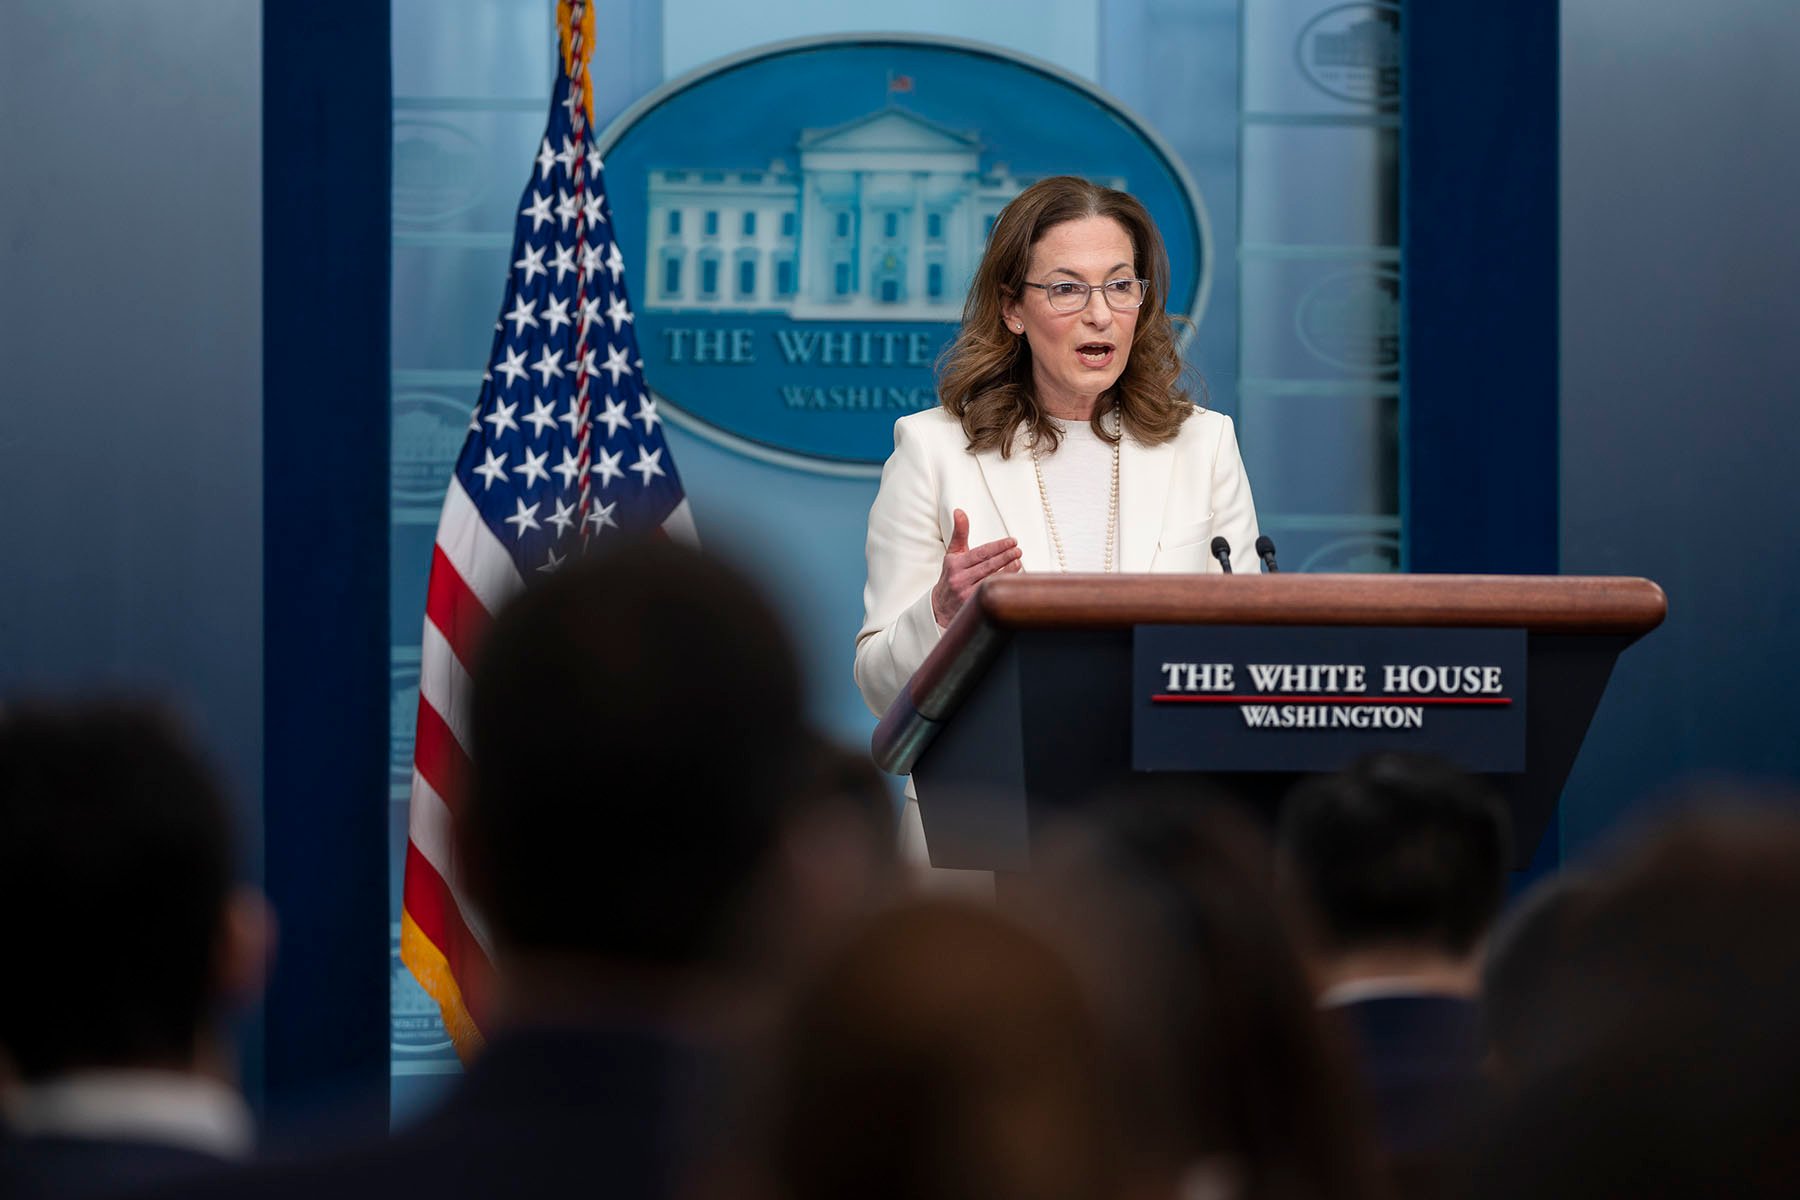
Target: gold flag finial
{"x":575,"y":26}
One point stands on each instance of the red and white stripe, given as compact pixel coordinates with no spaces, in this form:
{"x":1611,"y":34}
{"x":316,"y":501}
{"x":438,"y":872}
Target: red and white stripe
{"x":443,"y":940}
{"x":442,"y":937}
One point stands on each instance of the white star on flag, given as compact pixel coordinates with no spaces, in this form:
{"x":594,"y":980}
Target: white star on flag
{"x":613,"y":415}
{"x":548,"y":365}
{"x":502,"y":417}
{"x":647,"y":414}
{"x":600,"y":516}
{"x":606,"y":466}
{"x":569,"y":468}
{"x":618,"y":362}
{"x":618,"y":313}
{"x":556,"y":313}
{"x":532,"y":469}
{"x":615,"y":263}
{"x":590,"y":212}
{"x":572,"y":417}
{"x":538,"y":210}
{"x":647,"y":463}
{"x":566,"y":156}
{"x":551,"y":563}
{"x":523,"y":518}
{"x":564,"y":262}
{"x":492,"y":470}
{"x":546,"y":159}
{"x":562,"y":518}
{"x":521,"y":315}
{"x":532,"y":263}
{"x":540,"y":417}
{"x":567,"y":209}
{"x":514,"y":367}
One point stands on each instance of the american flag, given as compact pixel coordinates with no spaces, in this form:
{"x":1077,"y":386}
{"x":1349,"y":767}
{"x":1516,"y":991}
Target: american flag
{"x":565,"y":448}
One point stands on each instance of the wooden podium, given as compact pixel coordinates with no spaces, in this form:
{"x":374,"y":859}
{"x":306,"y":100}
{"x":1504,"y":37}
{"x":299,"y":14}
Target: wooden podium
{"x":1024,"y":709}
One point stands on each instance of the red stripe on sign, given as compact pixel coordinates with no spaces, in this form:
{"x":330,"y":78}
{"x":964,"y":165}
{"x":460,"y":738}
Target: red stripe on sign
{"x":433,"y":909}
{"x":1188,"y":698}
{"x":457,"y":612}
{"x":439,"y":756}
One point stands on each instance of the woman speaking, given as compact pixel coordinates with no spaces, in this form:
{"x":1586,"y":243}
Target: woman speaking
{"x":1063,"y":441}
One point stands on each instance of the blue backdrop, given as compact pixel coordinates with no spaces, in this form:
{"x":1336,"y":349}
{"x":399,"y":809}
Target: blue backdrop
{"x":136,"y":480}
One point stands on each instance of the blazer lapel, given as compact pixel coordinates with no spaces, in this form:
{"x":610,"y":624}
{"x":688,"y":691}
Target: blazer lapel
{"x":1145,"y":473}
{"x":1013,"y":485}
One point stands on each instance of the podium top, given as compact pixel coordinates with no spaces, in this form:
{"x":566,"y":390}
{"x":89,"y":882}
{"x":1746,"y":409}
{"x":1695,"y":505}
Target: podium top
{"x":1628,"y":607}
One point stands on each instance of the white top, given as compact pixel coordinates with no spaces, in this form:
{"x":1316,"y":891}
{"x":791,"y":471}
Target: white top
{"x":134,"y":1105}
{"x":1078,"y":484}
{"x":1174,"y":498}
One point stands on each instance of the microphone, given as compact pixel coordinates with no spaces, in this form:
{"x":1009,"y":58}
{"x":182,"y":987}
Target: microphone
{"x":1221,"y":550}
{"x":1265,"y":550}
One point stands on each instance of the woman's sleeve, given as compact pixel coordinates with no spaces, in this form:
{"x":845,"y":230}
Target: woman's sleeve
{"x":905,"y":554}
{"x":1234,"y":511}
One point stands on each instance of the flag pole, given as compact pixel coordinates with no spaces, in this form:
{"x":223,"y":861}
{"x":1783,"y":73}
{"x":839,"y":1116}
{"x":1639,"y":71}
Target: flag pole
{"x":576,"y":42}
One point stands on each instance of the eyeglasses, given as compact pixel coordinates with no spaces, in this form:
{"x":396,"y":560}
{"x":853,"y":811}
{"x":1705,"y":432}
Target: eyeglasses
{"x":1071,"y":295}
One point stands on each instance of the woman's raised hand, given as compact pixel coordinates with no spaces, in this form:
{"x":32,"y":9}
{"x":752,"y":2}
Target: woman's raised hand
{"x":964,"y":569}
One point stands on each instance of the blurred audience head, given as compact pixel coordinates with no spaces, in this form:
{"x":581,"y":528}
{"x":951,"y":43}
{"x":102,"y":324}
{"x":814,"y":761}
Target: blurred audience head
{"x":1401,"y":857}
{"x":128,"y":944}
{"x":1524,"y":957}
{"x":944,"y":1053}
{"x":636,"y":733}
{"x":1231,"y":1082}
{"x":1665,"y":1045}
{"x":835,"y":859}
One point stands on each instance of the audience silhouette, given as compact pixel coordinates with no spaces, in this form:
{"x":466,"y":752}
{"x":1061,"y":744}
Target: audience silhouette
{"x":1231,"y":1082}
{"x":713,"y":983}
{"x":1403,"y":859}
{"x":945,"y":1053}
{"x":129,"y":948}
{"x":1662,"y":1049}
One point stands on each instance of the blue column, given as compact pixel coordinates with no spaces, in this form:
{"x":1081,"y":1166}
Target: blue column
{"x":1479,"y":480}
{"x":326,"y":134}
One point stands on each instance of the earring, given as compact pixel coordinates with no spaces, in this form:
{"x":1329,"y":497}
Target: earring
{"x":1017,"y":327}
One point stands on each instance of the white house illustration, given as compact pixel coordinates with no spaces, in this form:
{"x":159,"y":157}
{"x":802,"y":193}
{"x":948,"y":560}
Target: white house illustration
{"x":1368,"y":44}
{"x":884,"y":220}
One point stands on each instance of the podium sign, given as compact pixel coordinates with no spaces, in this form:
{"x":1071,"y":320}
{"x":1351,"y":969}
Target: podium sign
{"x":1315,"y":698}
{"x":1049,"y":693}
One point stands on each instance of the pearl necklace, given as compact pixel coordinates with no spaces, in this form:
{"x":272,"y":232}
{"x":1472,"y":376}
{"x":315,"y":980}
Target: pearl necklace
{"x":1112,"y":506}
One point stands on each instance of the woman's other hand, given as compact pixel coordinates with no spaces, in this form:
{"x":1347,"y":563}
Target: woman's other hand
{"x":964,"y":569}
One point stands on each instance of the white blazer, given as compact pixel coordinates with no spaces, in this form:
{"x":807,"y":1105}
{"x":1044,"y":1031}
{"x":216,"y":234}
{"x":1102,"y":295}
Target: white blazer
{"x":1173,"y":500}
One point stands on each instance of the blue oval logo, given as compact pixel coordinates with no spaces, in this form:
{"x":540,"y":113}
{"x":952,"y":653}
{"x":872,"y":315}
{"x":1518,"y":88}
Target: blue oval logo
{"x":800,"y":224}
{"x":1351,"y":320}
{"x":1352,"y":52}
{"x":438,"y":172}
{"x":429,"y":430}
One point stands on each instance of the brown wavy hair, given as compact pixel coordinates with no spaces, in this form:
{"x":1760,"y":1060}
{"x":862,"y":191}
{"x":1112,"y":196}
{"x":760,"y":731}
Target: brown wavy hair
{"x":984,"y":378}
